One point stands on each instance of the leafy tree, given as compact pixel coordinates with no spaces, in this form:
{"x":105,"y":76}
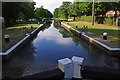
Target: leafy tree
{"x":55,"y":13}
{"x":71,"y":11}
{"x":27,"y":10}
{"x":42,"y":13}
{"x":15,"y":11}
{"x":77,"y":9}
{"x":85,"y":8}
{"x":10,"y":12}
{"x":115,"y":6}
{"x":101,"y":8}
{"x":63,"y":9}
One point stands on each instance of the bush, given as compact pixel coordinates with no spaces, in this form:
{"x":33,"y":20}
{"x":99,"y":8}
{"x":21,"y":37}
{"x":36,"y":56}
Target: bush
{"x":110,"y":20}
{"x":99,"y":20}
{"x":106,"y":20}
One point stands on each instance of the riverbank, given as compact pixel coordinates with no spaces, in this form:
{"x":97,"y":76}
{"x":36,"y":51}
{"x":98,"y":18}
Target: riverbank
{"x":102,"y":46}
{"x":14,"y":49}
{"x":96,"y":31}
{"x":16,"y":34}
{"x":52,"y":43}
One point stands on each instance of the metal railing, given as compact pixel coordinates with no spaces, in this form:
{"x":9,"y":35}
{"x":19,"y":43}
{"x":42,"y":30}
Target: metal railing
{"x":84,"y":28}
{"x":24,"y":28}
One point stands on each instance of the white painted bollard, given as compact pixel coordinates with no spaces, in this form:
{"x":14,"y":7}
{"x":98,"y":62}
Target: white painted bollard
{"x":77,"y":62}
{"x":105,"y":36}
{"x":7,"y":38}
{"x":65,"y":65}
{"x":76,"y":25}
{"x":67,"y":23}
{"x":42,"y":19}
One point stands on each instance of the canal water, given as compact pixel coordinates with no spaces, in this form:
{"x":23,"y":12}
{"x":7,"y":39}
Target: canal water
{"x":52,"y":43}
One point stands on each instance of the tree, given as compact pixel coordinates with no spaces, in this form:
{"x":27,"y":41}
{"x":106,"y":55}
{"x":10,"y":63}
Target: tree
{"x":101,"y":8}
{"x":15,"y":11}
{"x":63,"y":12}
{"x":10,"y":12}
{"x":115,"y":6}
{"x":55,"y":13}
{"x":42,"y":13}
{"x":77,"y":9}
{"x":27,"y":10}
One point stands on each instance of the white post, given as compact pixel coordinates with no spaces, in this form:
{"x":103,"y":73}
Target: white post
{"x":105,"y":35}
{"x":65,"y":65}
{"x":77,"y":63}
{"x":7,"y":38}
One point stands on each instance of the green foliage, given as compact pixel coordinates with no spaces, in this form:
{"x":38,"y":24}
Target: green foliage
{"x":110,"y":21}
{"x":99,"y":20}
{"x":16,"y":11}
{"x":102,"y":7}
{"x":55,"y":14}
{"x":78,"y":9}
{"x":27,"y":10}
{"x":106,"y":20}
{"x":62,"y":11}
{"x":10,"y":12}
{"x":41,"y":13}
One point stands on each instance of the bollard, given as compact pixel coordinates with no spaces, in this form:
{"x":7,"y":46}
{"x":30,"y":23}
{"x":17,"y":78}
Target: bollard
{"x":76,"y":25}
{"x":42,"y":19}
{"x":31,"y":27}
{"x":77,"y":63}
{"x":105,"y":36}
{"x":67,"y":23}
{"x":65,"y":65}
{"x":7,"y":38}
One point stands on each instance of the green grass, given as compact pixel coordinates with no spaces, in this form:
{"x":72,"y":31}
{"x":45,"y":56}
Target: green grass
{"x":16,"y":33}
{"x":13,"y":31}
{"x":85,"y":18}
{"x":97,"y":29}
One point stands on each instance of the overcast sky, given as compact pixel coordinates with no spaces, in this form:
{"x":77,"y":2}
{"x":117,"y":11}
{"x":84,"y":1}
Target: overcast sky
{"x":50,"y":4}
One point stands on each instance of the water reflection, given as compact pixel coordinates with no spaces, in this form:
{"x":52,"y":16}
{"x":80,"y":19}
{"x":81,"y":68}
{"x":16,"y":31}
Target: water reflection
{"x":93,"y":56}
{"x":52,"y":34}
{"x":56,"y":43}
{"x":51,"y":44}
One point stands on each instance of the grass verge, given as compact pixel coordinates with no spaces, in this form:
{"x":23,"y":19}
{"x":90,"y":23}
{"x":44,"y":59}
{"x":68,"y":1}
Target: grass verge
{"x":16,"y":33}
{"x":98,"y":30}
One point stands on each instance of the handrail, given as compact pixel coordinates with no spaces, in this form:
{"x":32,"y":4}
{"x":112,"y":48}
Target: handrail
{"x":84,"y":28}
{"x":24,"y":28}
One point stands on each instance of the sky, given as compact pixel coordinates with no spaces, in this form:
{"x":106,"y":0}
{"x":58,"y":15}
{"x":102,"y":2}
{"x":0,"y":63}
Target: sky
{"x":50,"y":4}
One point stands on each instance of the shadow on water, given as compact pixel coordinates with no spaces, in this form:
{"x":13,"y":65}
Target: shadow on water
{"x":52,"y":43}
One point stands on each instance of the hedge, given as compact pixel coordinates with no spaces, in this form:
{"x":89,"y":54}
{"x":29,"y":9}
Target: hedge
{"x":99,"y":20}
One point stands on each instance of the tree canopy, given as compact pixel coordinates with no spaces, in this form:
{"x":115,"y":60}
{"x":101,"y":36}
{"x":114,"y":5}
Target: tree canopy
{"x":42,"y":13}
{"x":78,"y":9}
{"x":15,"y":11}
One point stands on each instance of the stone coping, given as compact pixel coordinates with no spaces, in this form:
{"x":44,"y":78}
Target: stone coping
{"x":21,"y":41}
{"x":91,"y":39}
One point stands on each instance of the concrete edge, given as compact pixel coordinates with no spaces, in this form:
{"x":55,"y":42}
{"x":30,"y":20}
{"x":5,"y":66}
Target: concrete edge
{"x":91,"y":40}
{"x":21,"y":41}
